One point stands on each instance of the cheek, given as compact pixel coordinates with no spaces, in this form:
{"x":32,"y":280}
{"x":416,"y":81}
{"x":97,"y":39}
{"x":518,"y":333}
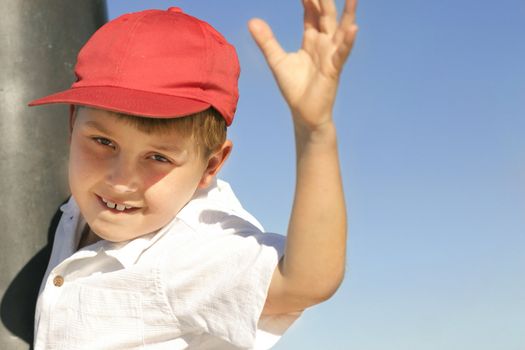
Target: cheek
{"x":177,"y":180}
{"x":150,"y":178}
{"x":83,"y":165}
{"x":172,"y":191}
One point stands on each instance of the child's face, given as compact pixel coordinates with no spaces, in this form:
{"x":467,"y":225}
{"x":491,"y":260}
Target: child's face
{"x":150,"y":176}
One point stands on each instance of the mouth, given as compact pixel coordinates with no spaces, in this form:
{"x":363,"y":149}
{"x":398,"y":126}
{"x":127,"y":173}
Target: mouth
{"x":116,"y":207}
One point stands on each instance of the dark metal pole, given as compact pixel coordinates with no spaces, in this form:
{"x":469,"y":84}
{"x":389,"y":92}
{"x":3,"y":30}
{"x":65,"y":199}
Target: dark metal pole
{"x":39,"y":41}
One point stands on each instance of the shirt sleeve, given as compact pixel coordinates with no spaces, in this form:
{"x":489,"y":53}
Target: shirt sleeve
{"x":221,"y":287}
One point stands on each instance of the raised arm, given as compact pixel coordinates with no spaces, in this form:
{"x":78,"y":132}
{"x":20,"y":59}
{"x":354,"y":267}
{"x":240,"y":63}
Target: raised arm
{"x":314,"y":261}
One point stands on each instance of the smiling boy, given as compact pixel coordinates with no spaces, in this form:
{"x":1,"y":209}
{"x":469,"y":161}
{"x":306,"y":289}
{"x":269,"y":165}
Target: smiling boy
{"x":152,"y":250}
{"x":129,"y":182}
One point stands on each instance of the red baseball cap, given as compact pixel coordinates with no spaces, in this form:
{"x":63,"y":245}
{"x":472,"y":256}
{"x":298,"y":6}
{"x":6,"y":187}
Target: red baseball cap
{"x":157,"y":64}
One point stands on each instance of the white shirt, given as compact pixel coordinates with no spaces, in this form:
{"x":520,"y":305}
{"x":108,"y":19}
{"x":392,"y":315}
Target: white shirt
{"x":198,"y":283}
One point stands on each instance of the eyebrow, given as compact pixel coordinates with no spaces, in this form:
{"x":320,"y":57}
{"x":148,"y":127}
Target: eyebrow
{"x":168,"y":148}
{"x":94,"y":124}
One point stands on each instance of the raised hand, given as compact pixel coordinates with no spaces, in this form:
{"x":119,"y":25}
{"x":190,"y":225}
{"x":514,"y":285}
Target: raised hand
{"x":308,"y":78}
{"x":313,"y":264}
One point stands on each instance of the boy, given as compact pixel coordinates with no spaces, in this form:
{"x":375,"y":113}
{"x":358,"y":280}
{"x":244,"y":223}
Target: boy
{"x":151,"y":250}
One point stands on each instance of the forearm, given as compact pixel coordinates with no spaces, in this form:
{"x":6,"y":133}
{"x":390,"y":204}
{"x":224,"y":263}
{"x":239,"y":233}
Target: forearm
{"x":314,"y":259}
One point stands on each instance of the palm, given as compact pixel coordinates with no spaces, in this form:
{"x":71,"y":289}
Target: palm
{"x":308,"y":78}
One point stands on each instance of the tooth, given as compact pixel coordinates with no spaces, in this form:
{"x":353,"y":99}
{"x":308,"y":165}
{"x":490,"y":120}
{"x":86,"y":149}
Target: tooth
{"x":128,"y":206}
{"x":104,"y":200}
{"x":110,"y":204}
{"x":120,"y":207}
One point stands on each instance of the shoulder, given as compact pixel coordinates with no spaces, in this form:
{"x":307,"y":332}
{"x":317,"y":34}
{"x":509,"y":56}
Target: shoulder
{"x":217,"y":280}
{"x":217,"y":266}
{"x":218,"y":212}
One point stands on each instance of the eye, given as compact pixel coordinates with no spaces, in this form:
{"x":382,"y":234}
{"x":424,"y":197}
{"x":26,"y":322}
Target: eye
{"x":159,"y":158}
{"x":103,"y":141}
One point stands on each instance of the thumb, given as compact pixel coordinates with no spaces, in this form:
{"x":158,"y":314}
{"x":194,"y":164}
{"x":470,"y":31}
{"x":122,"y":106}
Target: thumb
{"x":263,"y":36}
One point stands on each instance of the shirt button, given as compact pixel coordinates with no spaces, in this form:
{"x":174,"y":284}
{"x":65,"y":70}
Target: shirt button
{"x":58,"y":281}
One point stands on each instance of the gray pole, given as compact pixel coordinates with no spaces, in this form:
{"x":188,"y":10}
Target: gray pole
{"x":39,"y":41}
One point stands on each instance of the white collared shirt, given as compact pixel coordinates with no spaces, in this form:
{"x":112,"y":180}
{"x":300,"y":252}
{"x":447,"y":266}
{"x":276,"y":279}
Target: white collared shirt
{"x":198,"y":283}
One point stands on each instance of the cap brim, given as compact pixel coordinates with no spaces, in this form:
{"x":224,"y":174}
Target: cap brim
{"x":128,"y":101}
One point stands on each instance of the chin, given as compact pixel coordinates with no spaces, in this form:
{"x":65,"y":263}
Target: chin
{"x":115,"y":235}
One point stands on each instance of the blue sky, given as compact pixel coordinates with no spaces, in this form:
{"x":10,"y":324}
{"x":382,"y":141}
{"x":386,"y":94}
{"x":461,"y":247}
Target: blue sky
{"x":430,"y":116}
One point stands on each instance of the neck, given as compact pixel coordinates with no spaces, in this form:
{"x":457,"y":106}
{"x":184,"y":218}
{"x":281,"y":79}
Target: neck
{"x":88,"y":237}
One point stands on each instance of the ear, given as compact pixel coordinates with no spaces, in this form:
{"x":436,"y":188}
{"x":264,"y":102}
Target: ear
{"x":215,"y":163}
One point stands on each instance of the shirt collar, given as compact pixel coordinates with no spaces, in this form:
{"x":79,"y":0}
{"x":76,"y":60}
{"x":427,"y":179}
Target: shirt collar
{"x":70,"y":207}
{"x":127,"y":253}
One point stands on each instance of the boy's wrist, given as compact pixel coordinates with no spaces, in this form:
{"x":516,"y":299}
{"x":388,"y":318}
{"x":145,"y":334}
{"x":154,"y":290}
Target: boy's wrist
{"x":322,"y":133}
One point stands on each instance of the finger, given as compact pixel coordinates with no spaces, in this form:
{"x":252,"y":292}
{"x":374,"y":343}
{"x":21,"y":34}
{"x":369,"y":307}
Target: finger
{"x":350,"y":10}
{"x":311,"y":23}
{"x":263,"y":36}
{"x":328,"y":19}
{"x":345,"y":48}
{"x":346,"y":22}
{"x":311,"y":15}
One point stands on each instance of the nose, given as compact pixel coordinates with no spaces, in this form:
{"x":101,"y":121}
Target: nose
{"x":122,"y":176}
